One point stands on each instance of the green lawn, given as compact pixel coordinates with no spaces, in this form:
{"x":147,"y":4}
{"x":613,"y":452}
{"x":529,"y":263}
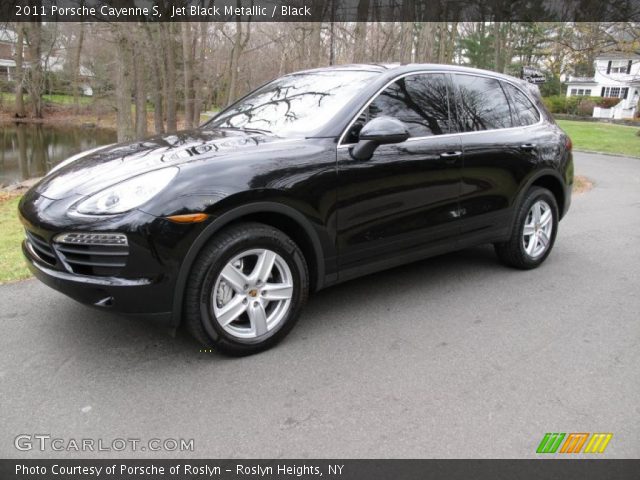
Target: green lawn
{"x":12,"y":265}
{"x":603,"y":137}
{"x":56,"y":99}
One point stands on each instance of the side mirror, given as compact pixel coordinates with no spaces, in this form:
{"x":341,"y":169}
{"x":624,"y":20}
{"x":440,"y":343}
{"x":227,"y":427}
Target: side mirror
{"x":379,"y":131}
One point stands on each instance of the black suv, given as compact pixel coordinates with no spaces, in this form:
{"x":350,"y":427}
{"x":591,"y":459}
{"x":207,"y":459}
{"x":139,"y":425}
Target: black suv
{"x":312,"y":179}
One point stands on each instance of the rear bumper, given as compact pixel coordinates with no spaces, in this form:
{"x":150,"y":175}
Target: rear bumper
{"x":123,"y":295}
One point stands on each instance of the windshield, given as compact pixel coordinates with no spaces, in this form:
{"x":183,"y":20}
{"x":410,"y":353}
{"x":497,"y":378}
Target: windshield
{"x":295,"y":105}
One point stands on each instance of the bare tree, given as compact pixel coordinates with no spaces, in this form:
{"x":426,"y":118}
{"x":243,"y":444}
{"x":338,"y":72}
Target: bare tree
{"x":168,"y":42}
{"x":19,"y":75}
{"x":240,"y":41}
{"x":123,"y":83}
{"x":35,"y":84}
{"x":188,"y":57}
{"x":76,"y":68}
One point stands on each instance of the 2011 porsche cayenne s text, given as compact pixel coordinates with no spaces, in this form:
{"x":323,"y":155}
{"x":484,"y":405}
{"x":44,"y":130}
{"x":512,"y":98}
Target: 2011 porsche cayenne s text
{"x":312,"y":179}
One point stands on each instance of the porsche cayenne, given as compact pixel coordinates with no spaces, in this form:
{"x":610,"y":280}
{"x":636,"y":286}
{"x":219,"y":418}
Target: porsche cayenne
{"x":315,"y":178}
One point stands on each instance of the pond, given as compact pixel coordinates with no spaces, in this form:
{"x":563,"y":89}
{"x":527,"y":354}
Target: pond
{"x":31,"y":150}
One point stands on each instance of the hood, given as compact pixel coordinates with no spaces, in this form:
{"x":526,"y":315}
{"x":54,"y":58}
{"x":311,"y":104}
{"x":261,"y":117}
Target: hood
{"x":106,"y":166}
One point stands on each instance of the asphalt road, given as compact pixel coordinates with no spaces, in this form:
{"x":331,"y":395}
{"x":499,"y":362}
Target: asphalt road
{"x":456,"y":356}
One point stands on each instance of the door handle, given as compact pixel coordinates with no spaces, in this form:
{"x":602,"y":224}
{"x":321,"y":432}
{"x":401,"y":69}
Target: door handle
{"x":450,"y":157}
{"x":528,"y":146}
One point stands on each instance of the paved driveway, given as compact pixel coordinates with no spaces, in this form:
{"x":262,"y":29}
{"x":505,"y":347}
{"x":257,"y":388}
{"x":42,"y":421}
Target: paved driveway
{"x":452,"y":357}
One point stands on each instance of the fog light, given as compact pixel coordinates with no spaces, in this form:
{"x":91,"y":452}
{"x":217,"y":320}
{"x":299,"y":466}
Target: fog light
{"x":92,"y":239}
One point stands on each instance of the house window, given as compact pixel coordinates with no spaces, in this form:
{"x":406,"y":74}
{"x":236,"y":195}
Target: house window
{"x":580,"y":92}
{"x":616,"y":92}
{"x":619,"y":66}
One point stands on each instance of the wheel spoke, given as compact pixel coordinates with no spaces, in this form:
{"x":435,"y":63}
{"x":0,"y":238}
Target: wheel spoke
{"x":528,"y":230}
{"x":263,"y":267}
{"x":278,"y":291}
{"x":234,"y":277}
{"x":231,"y":311}
{"x":545,"y":218}
{"x":533,"y":241}
{"x":258,"y":318}
{"x":537,"y":213}
{"x":544,"y":239}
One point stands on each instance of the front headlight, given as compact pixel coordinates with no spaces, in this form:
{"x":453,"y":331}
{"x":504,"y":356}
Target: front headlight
{"x":128,"y":194}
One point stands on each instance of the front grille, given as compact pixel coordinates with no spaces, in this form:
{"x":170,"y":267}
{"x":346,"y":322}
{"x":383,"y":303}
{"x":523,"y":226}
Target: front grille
{"x":41,"y":248}
{"x":92,"y":254}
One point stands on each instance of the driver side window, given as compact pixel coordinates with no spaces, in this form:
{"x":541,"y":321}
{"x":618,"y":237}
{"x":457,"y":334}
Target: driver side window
{"x":421,"y":102}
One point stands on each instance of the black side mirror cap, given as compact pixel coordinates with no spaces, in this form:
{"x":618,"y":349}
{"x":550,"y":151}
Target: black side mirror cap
{"x":379,"y":131}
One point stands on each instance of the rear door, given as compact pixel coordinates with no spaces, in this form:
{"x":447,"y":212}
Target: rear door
{"x":405,"y":198}
{"x":500,"y":142}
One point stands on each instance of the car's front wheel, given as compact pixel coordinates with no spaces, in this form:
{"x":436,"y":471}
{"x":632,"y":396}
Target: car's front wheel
{"x":246,"y":289}
{"x":534,"y":232}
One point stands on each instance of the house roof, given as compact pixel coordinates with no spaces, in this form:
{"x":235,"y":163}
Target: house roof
{"x":8,"y":36}
{"x":581,"y":80}
{"x":618,"y":56}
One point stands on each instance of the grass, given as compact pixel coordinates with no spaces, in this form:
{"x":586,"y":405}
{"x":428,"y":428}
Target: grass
{"x":603,"y":137}
{"x":12,"y":265}
{"x":7,"y":98}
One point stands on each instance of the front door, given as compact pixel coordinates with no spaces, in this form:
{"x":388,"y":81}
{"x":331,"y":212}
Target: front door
{"x":405,"y":198}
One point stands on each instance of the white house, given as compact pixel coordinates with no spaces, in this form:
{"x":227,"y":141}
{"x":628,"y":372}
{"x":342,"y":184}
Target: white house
{"x":617,"y":75}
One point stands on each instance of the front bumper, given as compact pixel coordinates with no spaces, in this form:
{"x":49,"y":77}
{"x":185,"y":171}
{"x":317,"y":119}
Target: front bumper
{"x":140,"y":280}
{"x":123,"y":295}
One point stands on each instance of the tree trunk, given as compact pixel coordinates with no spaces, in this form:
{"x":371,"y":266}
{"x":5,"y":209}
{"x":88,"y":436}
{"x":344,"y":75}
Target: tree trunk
{"x":198,"y":84}
{"x":170,"y":94}
{"x":156,"y":77}
{"x":140,"y":90}
{"x":316,"y":44}
{"x":123,"y":87}
{"x":497,"y":47}
{"x":187,"y":73}
{"x":240,"y":41}
{"x":19,"y":75}
{"x":360,"y":32}
{"x":36,"y":80}
{"x":426,"y":44}
{"x":406,"y":42}
{"x":75,"y":84}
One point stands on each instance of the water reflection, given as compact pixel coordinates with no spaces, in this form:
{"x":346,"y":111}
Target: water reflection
{"x":31,"y":150}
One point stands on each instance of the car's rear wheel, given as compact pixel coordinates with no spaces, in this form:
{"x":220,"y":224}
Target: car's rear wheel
{"x":246,"y":289}
{"x":534,"y":232}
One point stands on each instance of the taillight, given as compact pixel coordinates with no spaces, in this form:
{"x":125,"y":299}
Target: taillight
{"x":568,"y":143}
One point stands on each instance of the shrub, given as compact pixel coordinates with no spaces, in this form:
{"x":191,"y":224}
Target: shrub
{"x":585,"y":107}
{"x":581,"y":106}
{"x":607,"y":102}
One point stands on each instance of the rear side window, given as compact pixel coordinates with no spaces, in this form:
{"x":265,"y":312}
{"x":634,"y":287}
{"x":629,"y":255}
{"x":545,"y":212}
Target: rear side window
{"x":524,"y":113}
{"x":420,"y":101}
{"x":482,"y":104}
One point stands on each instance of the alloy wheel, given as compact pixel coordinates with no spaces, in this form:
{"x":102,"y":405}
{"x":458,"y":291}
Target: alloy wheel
{"x":252,"y":294}
{"x":538,"y":226}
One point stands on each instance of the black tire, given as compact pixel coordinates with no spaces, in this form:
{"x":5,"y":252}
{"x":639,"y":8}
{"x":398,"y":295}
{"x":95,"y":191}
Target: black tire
{"x":512,"y":252}
{"x":199,"y":316}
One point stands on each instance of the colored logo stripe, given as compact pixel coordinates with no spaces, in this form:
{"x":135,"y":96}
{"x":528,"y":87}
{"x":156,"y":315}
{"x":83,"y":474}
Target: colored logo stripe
{"x":550,"y":443}
{"x":598,"y":443}
{"x":574,"y":443}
